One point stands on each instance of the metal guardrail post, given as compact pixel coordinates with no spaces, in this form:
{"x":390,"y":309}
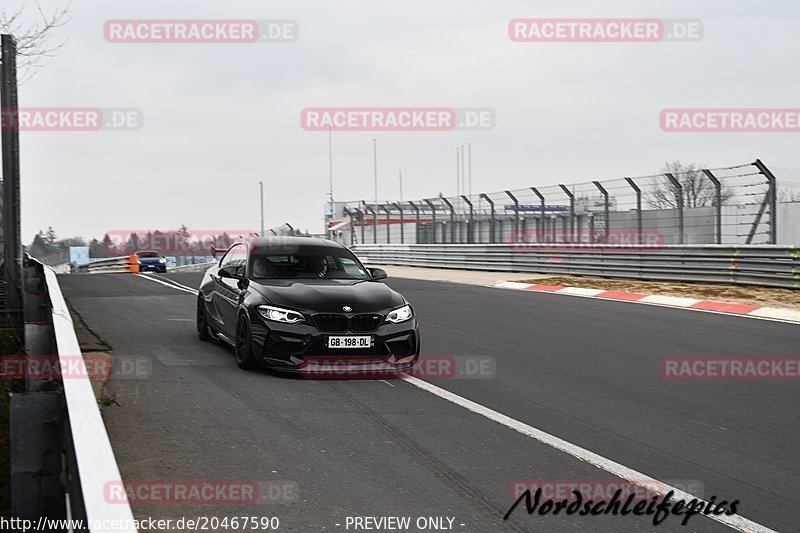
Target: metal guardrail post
{"x":402,"y":232}
{"x":606,"y":210}
{"x":679,"y":198}
{"x":470,"y":224}
{"x":515,"y":235}
{"x":571,"y":211}
{"x":433,"y":219}
{"x":773,"y":200}
{"x":541,"y":222}
{"x":638,"y":192}
{"x":416,"y":210}
{"x":717,"y":202}
{"x":491,"y":220}
{"x":452,"y":221}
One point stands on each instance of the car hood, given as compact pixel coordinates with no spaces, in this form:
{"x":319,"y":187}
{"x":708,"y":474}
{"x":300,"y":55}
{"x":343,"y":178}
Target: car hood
{"x":330,"y":297}
{"x":150,"y":260}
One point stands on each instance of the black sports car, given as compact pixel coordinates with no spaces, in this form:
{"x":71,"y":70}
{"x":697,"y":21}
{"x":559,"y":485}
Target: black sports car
{"x":289,"y":303}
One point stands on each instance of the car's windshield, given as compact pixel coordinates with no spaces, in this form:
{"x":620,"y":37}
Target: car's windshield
{"x":147,"y":254}
{"x":307,"y":263}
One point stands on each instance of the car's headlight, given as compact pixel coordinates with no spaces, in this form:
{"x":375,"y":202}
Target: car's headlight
{"x":162,"y":260}
{"x":276,"y":314}
{"x":400,"y":315}
{"x":139,"y":261}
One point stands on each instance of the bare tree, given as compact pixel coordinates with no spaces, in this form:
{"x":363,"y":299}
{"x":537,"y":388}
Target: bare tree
{"x":34,"y":44}
{"x":698,"y":190}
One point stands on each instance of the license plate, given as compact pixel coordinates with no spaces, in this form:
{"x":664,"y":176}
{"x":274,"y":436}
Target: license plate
{"x":351,"y":341}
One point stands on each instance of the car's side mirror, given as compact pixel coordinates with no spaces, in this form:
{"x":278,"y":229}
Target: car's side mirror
{"x":229,"y":272}
{"x":378,"y":273}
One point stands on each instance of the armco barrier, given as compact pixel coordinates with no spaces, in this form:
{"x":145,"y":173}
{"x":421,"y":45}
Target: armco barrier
{"x":765,"y":265}
{"x":90,"y":464}
{"x":123,"y":263}
{"x":197,"y":267}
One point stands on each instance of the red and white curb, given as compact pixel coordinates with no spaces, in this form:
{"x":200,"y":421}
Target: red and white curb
{"x":752,"y":311}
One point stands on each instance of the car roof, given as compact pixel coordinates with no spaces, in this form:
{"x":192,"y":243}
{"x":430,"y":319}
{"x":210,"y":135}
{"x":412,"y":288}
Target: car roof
{"x":146,"y":252}
{"x":257,"y":242}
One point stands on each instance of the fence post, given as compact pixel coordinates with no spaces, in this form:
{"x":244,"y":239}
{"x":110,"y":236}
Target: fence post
{"x":718,"y":201}
{"x":402,"y":232}
{"x":361,"y":223}
{"x":541,"y":222}
{"x":349,"y":213}
{"x":12,"y":253}
{"x":471,"y":219}
{"x":388,"y":223}
{"x":773,"y":200}
{"x":452,"y":221}
{"x":491,"y":220}
{"x":604,"y":192}
{"x":638,"y":209}
{"x":416,"y":225}
{"x":679,"y":198}
{"x":515,"y":234}
{"x":571,"y":211}
{"x":433,"y":219}
{"x":372,"y":210}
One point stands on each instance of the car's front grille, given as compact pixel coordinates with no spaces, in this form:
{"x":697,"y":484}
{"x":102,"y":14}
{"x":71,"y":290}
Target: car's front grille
{"x":329,"y":322}
{"x":365,"y":322}
{"x":339,"y":323}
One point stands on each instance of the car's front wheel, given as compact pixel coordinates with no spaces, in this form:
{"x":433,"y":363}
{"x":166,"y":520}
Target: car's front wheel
{"x":202,"y":321}
{"x":244,"y":347}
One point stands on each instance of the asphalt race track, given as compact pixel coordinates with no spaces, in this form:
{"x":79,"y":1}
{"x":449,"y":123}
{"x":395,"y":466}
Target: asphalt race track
{"x":584,"y":370}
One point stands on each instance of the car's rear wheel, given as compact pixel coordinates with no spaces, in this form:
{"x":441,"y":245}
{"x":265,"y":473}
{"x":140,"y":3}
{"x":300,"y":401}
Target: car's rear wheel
{"x":202,"y":322}
{"x":244,"y":347}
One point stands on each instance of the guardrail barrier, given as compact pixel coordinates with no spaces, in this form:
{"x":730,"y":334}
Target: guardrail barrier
{"x":765,"y":265}
{"x":88,"y":465}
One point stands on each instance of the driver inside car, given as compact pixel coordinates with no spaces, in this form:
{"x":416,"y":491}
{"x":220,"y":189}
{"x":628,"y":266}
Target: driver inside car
{"x":260,"y":267}
{"x":319,"y":266}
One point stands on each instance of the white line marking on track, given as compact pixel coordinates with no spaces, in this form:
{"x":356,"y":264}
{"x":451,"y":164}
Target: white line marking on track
{"x":170,"y":280}
{"x":736,"y":522}
{"x":175,"y":286}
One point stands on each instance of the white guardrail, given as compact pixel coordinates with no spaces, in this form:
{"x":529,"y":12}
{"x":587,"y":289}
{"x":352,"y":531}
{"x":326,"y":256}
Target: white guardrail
{"x":197,"y":267}
{"x":87,"y":439}
{"x":122,"y":263}
{"x":764,"y":265}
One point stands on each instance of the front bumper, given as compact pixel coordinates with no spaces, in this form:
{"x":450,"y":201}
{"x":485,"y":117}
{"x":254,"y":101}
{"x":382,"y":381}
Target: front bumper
{"x":302,"y":347}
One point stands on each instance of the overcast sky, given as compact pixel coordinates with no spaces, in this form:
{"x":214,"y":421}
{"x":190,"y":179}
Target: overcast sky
{"x":220,"y":117}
